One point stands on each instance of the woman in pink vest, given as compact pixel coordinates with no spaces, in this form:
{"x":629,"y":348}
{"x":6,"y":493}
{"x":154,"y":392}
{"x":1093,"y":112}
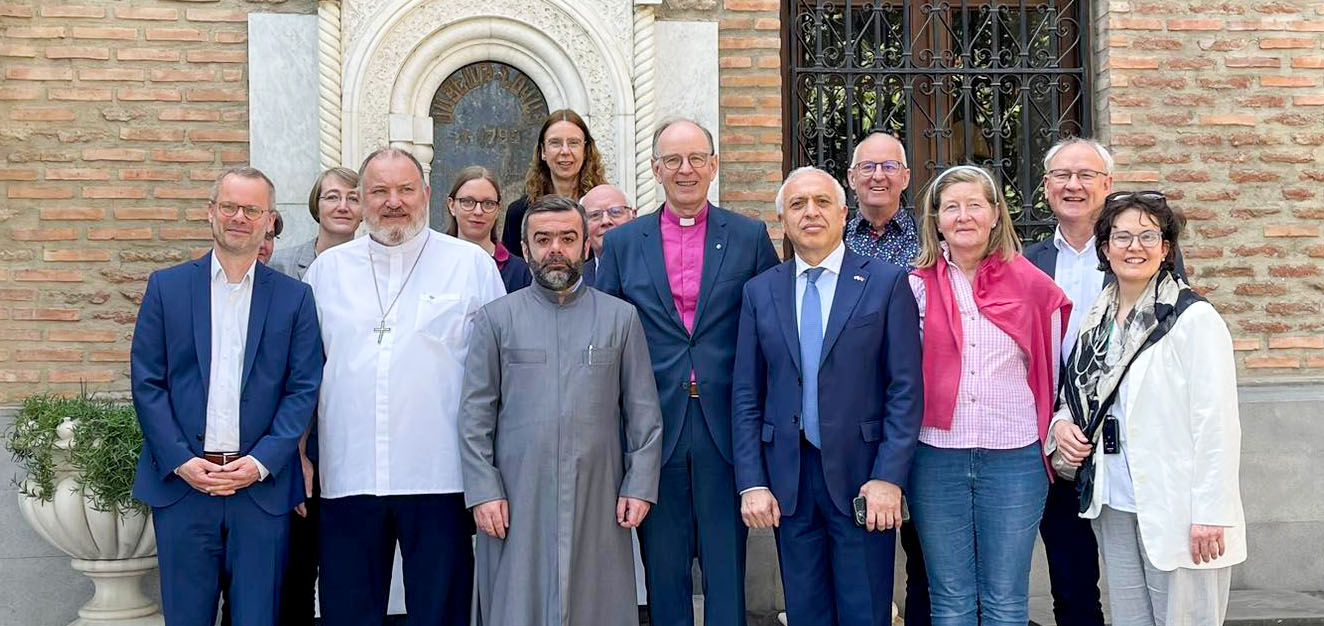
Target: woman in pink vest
{"x":992,"y":326}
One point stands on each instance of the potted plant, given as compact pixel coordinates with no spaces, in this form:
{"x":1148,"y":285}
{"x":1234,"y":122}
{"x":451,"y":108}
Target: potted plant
{"x":79,"y":456}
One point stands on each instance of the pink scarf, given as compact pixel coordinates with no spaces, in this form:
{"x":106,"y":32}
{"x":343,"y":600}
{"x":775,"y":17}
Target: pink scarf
{"x":1020,"y":300}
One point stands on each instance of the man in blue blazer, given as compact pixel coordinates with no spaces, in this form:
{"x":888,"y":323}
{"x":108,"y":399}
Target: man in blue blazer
{"x":226,"y":364}
{"x":826,"y":409}
{"x":683,"y":268}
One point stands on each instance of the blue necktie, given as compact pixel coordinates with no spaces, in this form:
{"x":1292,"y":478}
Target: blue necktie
{"x":811,"y":350}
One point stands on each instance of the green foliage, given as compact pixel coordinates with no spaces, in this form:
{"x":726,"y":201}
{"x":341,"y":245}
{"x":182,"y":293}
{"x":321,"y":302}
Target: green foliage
{"x":104,"y":450}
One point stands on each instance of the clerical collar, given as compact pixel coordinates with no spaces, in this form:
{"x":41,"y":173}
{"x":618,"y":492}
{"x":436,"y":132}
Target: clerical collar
{"x":685,"y":222}
{"x":555,"y":298}
{"x":410,"y":246}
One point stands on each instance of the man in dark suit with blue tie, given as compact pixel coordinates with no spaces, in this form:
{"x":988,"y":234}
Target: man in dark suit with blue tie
{"x":826,"y":410}
{"x":226,"y":364}
{"x":683,"y":268}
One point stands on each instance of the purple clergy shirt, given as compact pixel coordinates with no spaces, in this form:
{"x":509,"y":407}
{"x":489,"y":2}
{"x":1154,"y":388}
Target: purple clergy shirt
{"x":682,"y":251}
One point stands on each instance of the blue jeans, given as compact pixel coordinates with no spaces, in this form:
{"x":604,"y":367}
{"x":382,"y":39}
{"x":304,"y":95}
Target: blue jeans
{"x":977,"y":512}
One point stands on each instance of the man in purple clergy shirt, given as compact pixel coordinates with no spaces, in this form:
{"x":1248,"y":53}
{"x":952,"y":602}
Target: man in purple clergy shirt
{"x":683,"y":268}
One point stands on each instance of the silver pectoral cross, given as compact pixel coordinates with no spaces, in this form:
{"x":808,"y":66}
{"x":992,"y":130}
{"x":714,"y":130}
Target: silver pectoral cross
{"x":381,"y":330}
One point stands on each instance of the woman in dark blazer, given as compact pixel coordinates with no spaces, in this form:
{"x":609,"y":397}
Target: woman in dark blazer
{"x":565,"y":162}
{"x":473,"y":203}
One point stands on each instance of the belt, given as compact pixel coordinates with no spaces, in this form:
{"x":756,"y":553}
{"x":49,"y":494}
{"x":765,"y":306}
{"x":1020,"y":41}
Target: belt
{"x":221,"y":458}
{"x":693,"y":388}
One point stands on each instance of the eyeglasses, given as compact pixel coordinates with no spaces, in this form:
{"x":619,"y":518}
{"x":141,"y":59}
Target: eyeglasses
{"x":468,"y":204}
{"x":555,"y":145}
{"x":889,"y":167}
{"x":1063,"y":176}
{"x":334,"y":198}
{"x":672,"y":162}
{"x":1122,"y":239}
{"x":230,"y":209}
{"x":616,"y":212}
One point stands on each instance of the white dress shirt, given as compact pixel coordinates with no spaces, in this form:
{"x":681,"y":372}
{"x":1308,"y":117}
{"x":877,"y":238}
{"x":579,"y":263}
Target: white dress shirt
{"x":230,"y":303}
{"x":826,"y":283}
{"x":387,"y":411}
{"x":1077,"y":273}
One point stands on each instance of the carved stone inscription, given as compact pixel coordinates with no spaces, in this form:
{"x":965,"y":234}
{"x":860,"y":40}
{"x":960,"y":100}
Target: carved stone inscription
{"x":485,"y":114}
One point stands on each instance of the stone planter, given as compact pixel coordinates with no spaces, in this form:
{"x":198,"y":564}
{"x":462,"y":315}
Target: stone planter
{"x":115,"y":550}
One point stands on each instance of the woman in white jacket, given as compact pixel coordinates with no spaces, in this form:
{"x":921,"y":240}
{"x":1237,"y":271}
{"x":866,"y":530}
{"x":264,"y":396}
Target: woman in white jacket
{"x":1148,"y":423}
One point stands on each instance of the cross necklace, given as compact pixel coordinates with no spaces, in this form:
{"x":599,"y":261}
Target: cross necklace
{"x":382,"y":328}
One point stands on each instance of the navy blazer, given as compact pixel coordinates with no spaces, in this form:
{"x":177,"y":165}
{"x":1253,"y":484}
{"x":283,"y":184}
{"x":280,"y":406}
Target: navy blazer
{"x":170,"y":363}
{"x":870,"y":390}
{"x":632,"y":268}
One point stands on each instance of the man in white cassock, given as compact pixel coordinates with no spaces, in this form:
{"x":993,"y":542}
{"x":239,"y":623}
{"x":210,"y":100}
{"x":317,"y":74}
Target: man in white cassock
{"x":396,"y":310}
{"x":561,"y":439}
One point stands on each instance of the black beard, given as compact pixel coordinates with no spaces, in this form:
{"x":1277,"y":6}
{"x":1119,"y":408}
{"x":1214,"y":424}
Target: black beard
{"x":556,"y":279}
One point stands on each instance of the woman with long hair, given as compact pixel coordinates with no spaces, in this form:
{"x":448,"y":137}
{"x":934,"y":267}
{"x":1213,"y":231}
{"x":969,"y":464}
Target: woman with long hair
{"x":566,"y":162}
{"x":992,"y":327}
{"x":473,"y":203}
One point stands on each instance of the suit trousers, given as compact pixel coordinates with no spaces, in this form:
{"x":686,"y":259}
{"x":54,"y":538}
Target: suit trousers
{"x":356,"y":544}
{"x":1140,"y":594}
{"x":1073,"y":557}
{"x":204,"y":542}
{"x":834,"y":573}
{"x":697,"y":514}
{"x":297,"y":597}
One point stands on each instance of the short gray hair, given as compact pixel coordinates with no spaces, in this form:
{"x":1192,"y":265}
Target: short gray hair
{"x":672,"y":121}
{"x":1103,"y":153}
{"x":244,"y":171}
{"x":855,"y":154}
{"x":803,"y":171}
{"x":392,"y":152}
{"x":552,"y":203}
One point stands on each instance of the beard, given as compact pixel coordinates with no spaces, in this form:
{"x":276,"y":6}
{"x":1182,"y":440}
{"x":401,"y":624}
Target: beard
{"x":393,"y":235}
{"x":556,"y":278}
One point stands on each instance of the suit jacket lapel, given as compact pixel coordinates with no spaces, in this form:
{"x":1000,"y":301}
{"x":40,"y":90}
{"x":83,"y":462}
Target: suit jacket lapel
{"x":200,"y":287}
{"x":257,"y":318}
{"x":714,"y":251}
{"x":783,"y":302}
{"x":657,"y":265}
{"x":844,"y":299}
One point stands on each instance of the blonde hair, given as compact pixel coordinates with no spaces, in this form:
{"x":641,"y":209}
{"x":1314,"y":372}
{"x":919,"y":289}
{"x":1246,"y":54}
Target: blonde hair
{"x":1002,"y":240}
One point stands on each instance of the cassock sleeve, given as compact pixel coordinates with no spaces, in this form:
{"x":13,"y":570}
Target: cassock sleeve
{"x":641,"y":415}
{"x":479,"y":402}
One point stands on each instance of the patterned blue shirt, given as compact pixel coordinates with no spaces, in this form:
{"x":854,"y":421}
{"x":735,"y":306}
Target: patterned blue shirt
{"x":898,"y":244}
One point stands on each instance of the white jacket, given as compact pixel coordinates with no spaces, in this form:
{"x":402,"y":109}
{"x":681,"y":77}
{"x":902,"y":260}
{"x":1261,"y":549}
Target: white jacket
{"x":1183,"y":438}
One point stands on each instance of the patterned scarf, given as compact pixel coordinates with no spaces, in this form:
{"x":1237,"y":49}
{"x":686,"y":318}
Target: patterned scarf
{"x":1104,"y":353}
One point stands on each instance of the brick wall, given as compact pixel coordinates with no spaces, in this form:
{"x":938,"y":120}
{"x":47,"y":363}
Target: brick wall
{"x":114,"y":119}
{"x":750,"y":107}
{"x":1220,"y":105}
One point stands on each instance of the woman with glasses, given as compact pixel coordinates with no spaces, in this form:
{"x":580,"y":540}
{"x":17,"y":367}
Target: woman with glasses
{"x":473,"y":203}
{"x":992,"y":330}
{"x":565,"y":162}
{"x":1149,"y":426}
{"x":334,"y":205}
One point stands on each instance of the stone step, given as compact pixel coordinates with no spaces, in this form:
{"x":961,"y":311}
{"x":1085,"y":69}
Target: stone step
{"x":1246,"y":607}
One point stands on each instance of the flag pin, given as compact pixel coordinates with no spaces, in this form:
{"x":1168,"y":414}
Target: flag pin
{"x":859,"y":278}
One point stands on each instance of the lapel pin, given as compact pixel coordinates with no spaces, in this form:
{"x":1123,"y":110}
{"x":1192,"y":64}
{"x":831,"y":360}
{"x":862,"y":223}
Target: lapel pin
{"x":719,"y":246}
{"x":859,"y":278}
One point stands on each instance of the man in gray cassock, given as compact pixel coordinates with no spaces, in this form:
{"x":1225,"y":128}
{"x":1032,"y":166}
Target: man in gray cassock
{"x":560,"y":439}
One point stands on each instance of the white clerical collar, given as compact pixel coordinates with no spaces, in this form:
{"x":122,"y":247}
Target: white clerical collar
{"x":1062,"y":245}
{"x":409,"y":246}
{"x":831,"y":263}
{"x":218,"y":272}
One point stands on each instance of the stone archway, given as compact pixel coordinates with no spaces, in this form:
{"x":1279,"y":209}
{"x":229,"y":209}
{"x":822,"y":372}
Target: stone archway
{"x":576,"y":51}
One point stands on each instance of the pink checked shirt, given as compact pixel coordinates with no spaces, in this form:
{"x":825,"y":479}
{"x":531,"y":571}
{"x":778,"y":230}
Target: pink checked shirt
{"x":682,"y":251}
{"x":994,"y":405}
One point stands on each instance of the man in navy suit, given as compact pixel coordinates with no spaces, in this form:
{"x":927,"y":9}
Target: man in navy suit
{"x":226,"y":364}
{"x":683,"y":268}
{"x":826,"y":408}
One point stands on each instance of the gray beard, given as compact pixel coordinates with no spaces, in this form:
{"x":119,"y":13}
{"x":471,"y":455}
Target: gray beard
{"x":395,"y":236}
{"x":557,"y":279}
